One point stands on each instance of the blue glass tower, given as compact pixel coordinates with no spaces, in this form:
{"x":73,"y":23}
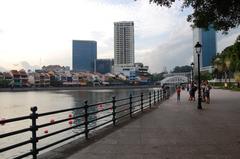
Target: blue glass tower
{"x":207,"y":38}
{"x":104,"y":65}
{"x":84,"y":54}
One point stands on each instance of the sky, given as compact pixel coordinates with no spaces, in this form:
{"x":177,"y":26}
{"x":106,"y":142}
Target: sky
{"x":34,"y":33}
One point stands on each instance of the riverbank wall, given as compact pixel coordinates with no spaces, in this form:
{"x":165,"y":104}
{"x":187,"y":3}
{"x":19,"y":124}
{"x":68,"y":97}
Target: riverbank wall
{"x":74,"y":88}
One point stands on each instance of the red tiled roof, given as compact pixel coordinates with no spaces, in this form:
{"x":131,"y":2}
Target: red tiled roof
{"x":6,"y":74}
{"x":15,"y":72}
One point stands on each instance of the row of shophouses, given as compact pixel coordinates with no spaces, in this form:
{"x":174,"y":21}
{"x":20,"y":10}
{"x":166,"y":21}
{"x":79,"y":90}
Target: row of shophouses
{"x":44,"y":79}
{"x":22,"y":78}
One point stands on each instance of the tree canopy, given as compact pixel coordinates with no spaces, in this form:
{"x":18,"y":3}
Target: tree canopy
{"x":180,"y":69}
{"x":228,"y":60}
{"x":221,"y":14}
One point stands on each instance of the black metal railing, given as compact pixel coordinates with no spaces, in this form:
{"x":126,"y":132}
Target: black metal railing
{"x":85,"y":119}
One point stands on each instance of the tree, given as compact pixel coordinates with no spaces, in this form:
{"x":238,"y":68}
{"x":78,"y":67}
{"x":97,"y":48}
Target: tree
{"x":179,"y":69}
{"x":222,"y":14}
{"x":237,"y":78}
{"x":228,"y":62}
{"x":4,"y":83}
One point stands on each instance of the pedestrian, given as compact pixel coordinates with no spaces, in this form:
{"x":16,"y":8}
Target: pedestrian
{"x":207,"y":92}
{"x":178,"y":90}
{"x":192,"y":91}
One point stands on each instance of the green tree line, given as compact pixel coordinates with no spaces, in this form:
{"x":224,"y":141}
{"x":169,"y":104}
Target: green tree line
{"x":227,"y":63}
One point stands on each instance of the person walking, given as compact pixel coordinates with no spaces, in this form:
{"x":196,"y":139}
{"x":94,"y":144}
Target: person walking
{"x":178,"y":90}
{"x":192,"y":91}
{"x":207,"y":92}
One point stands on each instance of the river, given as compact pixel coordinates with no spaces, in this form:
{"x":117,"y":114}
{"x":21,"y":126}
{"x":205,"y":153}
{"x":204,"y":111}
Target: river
{"x":15,"y":104}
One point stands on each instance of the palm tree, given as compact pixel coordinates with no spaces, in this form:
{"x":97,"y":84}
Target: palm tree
{"x":218,"y":65}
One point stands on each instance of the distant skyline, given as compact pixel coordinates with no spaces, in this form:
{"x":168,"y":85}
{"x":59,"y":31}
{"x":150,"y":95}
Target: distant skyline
{"x":34,"y":33}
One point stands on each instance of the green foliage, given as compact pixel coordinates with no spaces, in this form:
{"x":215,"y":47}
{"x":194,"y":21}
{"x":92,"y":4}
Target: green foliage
{"x":156,"y":77}
{"x":204,"y":76}
{"x":4,"y":83}
{"x":55,"y":83}
{"x":237,"y":76}
{"x":179,"y":69}
{"x":228,"y":60}
{"x":222,"y":14}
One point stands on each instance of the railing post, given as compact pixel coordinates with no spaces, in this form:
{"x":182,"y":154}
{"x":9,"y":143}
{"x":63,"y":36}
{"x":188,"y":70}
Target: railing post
{"x":86,"y":119}
{"x":130,"y":105}
{"x":114,"y":110}
{"x":34,"y":129}
{"x":162,"y":95}
{"x":158,"y":94}
{"x":154,"y":98}
{"x":150,"y":102}
{"x":142,"y":102}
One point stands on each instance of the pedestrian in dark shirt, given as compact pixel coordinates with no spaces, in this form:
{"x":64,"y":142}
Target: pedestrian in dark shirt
{"x":178,"y":90}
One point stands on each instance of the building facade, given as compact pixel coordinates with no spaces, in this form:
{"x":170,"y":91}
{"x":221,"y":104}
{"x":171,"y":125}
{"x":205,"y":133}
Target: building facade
{"x":104,"y":66}
{"x":207,"y":38}
{"x":123,"y":43}
{"x":84,"y":54}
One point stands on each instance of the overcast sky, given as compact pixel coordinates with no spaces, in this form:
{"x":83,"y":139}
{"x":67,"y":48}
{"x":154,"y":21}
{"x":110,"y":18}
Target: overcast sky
{"x":34,"y":33}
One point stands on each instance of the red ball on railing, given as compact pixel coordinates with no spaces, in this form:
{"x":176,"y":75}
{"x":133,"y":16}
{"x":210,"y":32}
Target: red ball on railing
{"x":2,"y":121}
{"x":70,"y":115}
{"x":46,"y":131}
{"x":70,"y":122}
{"x":52,"y":121}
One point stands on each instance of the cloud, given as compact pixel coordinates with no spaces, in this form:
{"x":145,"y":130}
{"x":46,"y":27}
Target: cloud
{"x":228,"y":39}
{"x":160,"y":32}
{"x":26,"y":66}
{"x":2,"y":69}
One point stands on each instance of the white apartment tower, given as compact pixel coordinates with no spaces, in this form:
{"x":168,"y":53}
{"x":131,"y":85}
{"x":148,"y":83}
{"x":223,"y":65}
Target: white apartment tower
{"x":123,"y":43}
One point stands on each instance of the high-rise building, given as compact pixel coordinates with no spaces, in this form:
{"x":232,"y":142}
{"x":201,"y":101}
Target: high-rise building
{"x":207,"y":38}
{"x":104,"y":66}
{"x":124,"y":43}
{"x":84,"y":54}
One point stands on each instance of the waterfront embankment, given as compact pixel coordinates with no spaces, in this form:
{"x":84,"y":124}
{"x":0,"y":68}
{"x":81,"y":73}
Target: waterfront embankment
{"x":74,"y":88}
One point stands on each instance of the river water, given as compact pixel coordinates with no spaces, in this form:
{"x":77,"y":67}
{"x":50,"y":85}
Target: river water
{"x":15,"y":104}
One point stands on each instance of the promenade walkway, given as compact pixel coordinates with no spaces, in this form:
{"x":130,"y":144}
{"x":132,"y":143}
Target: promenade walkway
{"x":175,"y":131}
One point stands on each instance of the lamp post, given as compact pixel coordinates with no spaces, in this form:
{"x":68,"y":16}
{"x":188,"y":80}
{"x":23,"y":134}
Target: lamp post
{"x":198,"y":48}
{"x":192,"y":65}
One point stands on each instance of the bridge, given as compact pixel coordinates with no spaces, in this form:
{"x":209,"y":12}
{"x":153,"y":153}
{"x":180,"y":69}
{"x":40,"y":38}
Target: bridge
{"x":175,"y":80}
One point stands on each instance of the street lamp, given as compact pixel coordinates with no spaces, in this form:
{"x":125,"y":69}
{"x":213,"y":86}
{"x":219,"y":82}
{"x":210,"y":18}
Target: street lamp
{"x":198,"y":48}
{"x":192,"y":65}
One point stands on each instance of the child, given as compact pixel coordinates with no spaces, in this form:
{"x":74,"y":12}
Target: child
{"x":178,"y":90}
